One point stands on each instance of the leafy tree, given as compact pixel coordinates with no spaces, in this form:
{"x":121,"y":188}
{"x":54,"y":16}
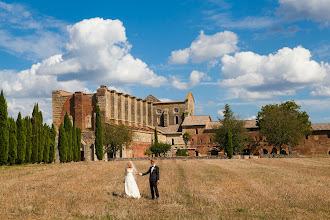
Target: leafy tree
{"x":68,"y":132}
{"x":12,"y":155}
{"x":28,"y":145}
{"x":230,"y":123}
{"x":180,"y":152}
{"x":148,"y":152}
{"x":98,"y":134}
{"x":4,"y":130}
{"x":186,"y":136}
{"x":229,"y":144}
{"x":78,"y":133}
{"x":62,"y":144}
{"x":21,"y":139}
{"x":115,"y":137}
{"x":160,"y":148}
{"x":47,"y":140}
{"x":52,"y":148}
{"x":283,"y":124}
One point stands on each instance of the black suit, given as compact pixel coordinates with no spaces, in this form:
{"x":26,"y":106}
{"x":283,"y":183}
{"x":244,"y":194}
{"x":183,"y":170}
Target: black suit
{"x":153,"y":178}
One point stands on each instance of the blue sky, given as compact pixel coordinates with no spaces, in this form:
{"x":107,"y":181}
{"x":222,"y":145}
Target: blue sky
{"x":245,"y":53}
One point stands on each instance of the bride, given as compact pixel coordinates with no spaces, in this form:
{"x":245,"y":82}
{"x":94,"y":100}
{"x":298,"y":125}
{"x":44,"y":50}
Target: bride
{"x":131,"y":188}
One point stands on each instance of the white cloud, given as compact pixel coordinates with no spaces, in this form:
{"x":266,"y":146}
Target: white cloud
{"x":256,"y":76}
{"x":206,"y":47}
{"x":220,"y":112}
{"x":194,"y":80}
{"x":29,"y":35}
{"x":322,"y":91}
{"x":99,"y":48}
{"x":316,"y":10}
{"x":224,"y":20}
{"x":251,"y":117}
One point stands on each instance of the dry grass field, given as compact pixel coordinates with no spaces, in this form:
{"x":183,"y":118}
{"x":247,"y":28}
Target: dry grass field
{"x":296,"y":188}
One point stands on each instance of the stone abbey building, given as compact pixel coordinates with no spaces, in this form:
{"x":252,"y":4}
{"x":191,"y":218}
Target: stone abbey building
{"x":172,"y":119}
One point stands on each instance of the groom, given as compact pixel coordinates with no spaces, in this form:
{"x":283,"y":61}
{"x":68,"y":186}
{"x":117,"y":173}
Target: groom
{"x":153,"y":179}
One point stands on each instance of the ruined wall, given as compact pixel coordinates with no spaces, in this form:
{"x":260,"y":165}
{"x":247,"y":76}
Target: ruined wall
{"x":168,"y":113}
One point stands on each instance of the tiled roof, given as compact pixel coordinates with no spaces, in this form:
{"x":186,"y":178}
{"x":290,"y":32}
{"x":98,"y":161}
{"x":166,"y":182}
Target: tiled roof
{"x":321,"y":126}
{"x":170,"y":129}
{"x":212,"y":125}
{"x":196,"y":120}
{"x":250,"y":124}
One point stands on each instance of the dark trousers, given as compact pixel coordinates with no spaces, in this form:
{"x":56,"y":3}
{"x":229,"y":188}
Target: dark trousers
{"x":153,"y":188}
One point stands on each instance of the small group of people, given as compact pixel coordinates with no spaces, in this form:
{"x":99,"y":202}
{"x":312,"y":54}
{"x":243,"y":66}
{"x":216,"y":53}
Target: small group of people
{"x":131,"y":188}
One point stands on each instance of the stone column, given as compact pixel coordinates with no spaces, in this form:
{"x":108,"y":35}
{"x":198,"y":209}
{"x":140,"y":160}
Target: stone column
{"x":138,"y":111}
{"x":121,"y":110}
{"x":133,"y":110}
{"x":150,"y":114}
{"x":144,"y":112}
{"x":128,"y":117}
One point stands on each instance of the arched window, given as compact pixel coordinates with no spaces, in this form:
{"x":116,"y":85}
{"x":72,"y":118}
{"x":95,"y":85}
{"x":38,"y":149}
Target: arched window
{"x":71,"y":119}
{"x":176,"y":120}
{"x":172,"y":141}
{"x":196,"y":131}
{"x":192,"y":141}
{"x":88,"y":121}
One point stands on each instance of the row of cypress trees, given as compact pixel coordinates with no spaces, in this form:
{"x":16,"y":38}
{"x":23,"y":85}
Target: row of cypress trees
{"x":26,"y":140}
{"x":69,"y":141}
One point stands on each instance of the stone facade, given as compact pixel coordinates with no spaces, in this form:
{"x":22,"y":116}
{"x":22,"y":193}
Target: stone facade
{"x":142,"y":115}
{"x":172,"y":119}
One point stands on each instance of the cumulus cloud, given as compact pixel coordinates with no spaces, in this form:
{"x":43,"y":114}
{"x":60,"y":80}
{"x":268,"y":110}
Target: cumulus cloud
{"x":220,"y":112}
{"x":206,"y":47}
{"x":99,"y":48}
{"x":316,"y":10}
{"x":255,"y":76}
{"x":322,"y":91}
{"x":194,"y":79}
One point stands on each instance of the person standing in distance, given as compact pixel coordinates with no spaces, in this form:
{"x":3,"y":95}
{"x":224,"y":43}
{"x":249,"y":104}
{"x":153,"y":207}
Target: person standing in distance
{"x":153,"y":179}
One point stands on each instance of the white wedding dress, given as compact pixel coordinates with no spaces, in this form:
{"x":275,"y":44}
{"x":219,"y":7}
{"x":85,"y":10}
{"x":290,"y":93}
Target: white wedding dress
{"x":131,"y":188}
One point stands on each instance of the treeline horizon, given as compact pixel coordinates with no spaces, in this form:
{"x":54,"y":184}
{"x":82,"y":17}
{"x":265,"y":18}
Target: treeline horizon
{"x":26,"y":140}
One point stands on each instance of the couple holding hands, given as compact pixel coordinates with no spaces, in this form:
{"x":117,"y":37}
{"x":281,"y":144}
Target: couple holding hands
{"x":131,"y":188}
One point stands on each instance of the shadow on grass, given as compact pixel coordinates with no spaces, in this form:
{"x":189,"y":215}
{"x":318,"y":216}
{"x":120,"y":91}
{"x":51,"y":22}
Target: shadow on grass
{"x":123,"y":196}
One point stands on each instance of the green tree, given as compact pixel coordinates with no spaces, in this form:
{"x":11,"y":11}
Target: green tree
{"x":148,"y":152}
{"x":62,"y":144}
{"x":186,"y":137}
{"x":42,"y":142}
{"x":182,"y":152}
{"x":74,"y":143}
{"x":21,"y":139}
{"x":98,"y":134}
{"x":4,"y":130}
{"x":78,"y":132}
{"x":36,"y":133}
{"x":230,"y":123}
{"x":115,"y":137}
{"x":47,"y":142}
{"x":12,"y":155}
{"x":283,"y":124}
{"x":68,"y":132}
{"x":229,"y":144}
{"x":52,"y":148}
{"x":28,"y":146}
{"x":160,"y":148}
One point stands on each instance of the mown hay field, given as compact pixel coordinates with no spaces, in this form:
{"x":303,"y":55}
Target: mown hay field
{"x":291,"y":188}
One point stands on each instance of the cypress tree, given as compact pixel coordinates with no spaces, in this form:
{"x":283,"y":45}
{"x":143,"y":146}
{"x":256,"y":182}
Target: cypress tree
{"x":47,"y":143}
{"x":35,"y":134}
{"x":156,"y":136}
{"x":98,"y":135}
{"x":4,"y":130}
{"x":28,"y":146}
{"x":62,"y":144}
{"x":78,"y":132}
{"x":52,"y":149}
{"x":229,"y":144}
{"x":21,"y":139}
{"x":68,"y":132}
{"x":74,"y":144}
{"x":12,"y":142}
{"x":42,"y":139}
